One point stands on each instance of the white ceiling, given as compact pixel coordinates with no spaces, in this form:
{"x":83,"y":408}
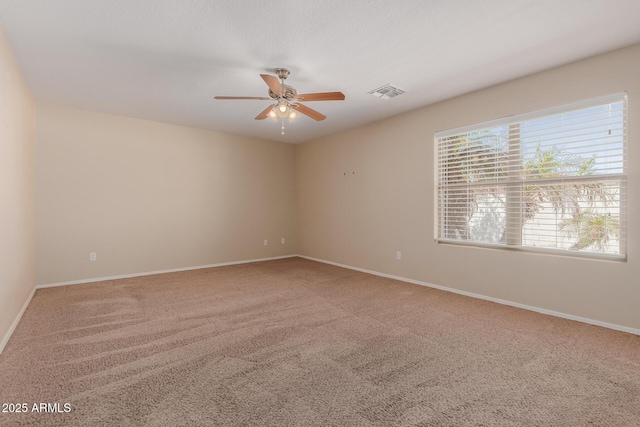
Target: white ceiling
{"x":165,"y":60}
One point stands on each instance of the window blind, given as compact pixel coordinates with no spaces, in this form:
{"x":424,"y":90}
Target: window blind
{"x":551,"y":180}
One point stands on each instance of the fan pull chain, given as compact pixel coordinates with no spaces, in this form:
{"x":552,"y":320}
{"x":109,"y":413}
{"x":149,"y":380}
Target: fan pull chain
{"x":282,"y":129}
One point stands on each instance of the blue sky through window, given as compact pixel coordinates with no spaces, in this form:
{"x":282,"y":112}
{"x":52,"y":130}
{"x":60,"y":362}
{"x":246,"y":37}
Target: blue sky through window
{"x":601,"y":139}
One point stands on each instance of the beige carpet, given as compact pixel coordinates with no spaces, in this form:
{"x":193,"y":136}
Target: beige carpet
{"x":298,"y":343}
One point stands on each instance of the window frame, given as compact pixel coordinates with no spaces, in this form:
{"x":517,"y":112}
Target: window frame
{"x":513,"y":241}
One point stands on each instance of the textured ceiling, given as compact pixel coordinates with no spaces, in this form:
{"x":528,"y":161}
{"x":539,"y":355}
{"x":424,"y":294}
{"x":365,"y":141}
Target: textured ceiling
{"x":165,"y":60}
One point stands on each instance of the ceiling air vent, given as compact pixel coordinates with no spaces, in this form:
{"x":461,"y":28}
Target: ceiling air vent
{"x":386,"y":92}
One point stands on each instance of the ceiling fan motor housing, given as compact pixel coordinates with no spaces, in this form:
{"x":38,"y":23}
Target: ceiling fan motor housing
{"x":288,"y":93}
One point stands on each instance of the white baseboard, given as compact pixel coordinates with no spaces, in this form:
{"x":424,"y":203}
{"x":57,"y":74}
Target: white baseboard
{"x":484,"y":297}
{"x":13,"y":326}
{"x":149,"y":273}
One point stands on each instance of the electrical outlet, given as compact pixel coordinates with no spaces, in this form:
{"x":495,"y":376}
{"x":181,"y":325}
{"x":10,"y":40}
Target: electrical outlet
{"x":398,"y":255}
{"x":92,"y":256}
{"x":266,"y":242}
{"x":282,"y":241}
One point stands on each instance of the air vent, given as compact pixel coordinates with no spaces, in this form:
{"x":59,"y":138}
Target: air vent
{"x":386,"y":92}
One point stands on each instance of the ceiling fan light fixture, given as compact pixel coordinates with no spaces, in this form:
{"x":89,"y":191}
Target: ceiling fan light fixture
{"x":272,"y":114}
{"x":293,"y":115}
{"x":282,"y":109}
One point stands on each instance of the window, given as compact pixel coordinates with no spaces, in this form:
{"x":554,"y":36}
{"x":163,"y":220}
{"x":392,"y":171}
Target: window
{"x":553,"y":180}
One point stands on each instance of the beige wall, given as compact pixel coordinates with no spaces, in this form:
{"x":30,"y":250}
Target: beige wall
{"x":17,"y":244}
{"x":148,"y":196}
{"x":362,"y":219}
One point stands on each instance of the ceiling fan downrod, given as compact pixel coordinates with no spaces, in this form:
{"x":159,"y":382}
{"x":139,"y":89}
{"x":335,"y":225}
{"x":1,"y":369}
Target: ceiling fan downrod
{"x":282,"y":73}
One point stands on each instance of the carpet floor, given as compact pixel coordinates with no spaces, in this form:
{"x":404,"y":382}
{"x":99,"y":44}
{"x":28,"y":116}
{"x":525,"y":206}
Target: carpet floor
{"x":294,"y":342}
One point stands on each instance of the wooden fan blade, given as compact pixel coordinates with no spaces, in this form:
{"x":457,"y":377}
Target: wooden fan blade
{"x":309,"y":112}
{"x":241,"y":97}
{"x":264,"y":113}
{"x":273,"y":83}
{"x":322,"y":96}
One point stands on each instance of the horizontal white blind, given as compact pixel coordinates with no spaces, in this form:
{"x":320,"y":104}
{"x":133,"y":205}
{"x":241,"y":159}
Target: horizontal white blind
{"x":550,"y":180}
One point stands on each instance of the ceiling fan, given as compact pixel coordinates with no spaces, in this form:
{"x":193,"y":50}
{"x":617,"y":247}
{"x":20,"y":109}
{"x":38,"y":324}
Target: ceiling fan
{"x":288,"y":101}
